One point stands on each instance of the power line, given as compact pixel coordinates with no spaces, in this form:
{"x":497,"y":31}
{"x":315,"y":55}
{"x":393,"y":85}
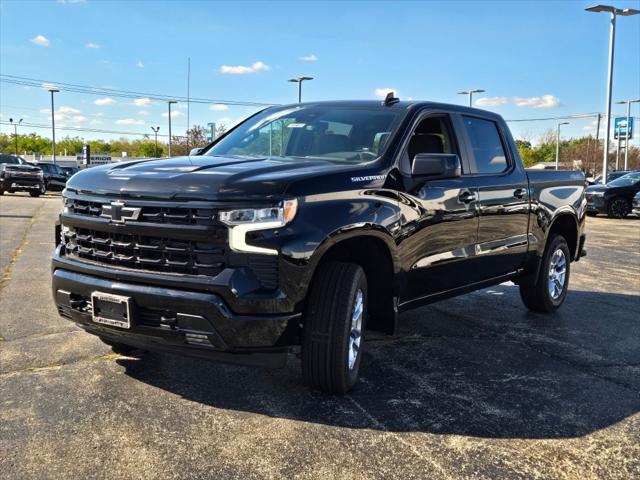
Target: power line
{"x":86,"y":129}
{"x":87,"y":89}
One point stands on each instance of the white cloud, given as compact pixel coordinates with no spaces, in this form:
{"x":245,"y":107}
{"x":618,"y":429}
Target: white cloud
{"x":174,"y":114}
{"x":140,"y":64}
{"x":40,"y":40}
{"x":104,"y":101}
{"x":92,"y":45}
{"x":64,"y":117}
{"x":64,"y":109}
{"x":142,"y":102}
{"x":129,"y":121}
{"x":491,"y":101}
{"x":143,"y":112}
{"x":45,"y":110}
{"x":382,"y":92}
{"x":309,"y":58}
{"x":95,"y":122}
{"x":545,"y":101}
{"x":242,"y":69}
{"x":218,"y":107}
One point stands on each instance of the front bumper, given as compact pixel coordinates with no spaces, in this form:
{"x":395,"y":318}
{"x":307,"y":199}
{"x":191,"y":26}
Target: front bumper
{"x":596,"y":204}
{"x":177,"y":320}
{"x":22,"y":183}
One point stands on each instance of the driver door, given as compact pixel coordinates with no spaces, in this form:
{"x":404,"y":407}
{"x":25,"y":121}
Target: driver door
{"x":439,"y":217}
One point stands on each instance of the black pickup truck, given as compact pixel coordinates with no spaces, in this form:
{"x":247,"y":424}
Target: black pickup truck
{"x":307,"y":224}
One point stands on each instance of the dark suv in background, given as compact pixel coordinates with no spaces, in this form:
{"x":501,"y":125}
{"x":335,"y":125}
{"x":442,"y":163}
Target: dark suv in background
{"x":55,"y":178}
{"x":615,"y":198}
{"x":16,"y":175}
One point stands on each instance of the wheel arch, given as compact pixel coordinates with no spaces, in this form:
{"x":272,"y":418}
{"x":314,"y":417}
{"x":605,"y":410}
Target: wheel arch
{"x":374,"y":251}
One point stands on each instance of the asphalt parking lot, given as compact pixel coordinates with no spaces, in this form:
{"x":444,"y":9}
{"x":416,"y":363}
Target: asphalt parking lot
{"x":474,"y":387}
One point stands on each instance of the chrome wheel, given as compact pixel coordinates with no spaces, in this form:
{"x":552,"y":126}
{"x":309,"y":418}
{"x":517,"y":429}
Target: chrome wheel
{"x":355,"y":335}
{"x":557,"y":274}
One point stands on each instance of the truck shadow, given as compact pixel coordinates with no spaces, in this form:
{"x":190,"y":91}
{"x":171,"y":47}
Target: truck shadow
{"x":468,"y":366}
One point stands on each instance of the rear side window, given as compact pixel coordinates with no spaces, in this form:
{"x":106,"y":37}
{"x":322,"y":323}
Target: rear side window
{"x":488,"y":151}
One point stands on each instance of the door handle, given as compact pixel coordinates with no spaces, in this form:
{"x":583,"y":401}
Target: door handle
{"x":520,"y":192}
{"x":467,"y":196}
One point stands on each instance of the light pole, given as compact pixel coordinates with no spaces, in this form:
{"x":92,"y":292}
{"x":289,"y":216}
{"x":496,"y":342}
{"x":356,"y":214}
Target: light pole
{"x":15,"y":129}
{"x":155,"y":131}
{"x":470,"y":93}
{"x":53,"y":124}
{"x":169,"y":102}
{"x":612,"y":40}
{"x":626,"y":136}
{"x":299,"y":81}
{"x":558,"y":142}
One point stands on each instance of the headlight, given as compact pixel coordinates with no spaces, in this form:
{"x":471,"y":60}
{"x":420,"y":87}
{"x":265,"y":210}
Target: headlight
{"x":246,"y":220}
{"x":40,"y":174}
{"x":281,"y":214}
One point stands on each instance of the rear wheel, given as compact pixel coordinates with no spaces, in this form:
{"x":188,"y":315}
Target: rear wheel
{"x":334,"y":325}
{"x":619,"y":208}
{"x":550,"y":289}
{"x":35,"y":193}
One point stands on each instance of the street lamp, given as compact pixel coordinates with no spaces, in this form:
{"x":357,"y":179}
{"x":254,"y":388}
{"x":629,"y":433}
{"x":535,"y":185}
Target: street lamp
{"x":626,"y":136}
{"x":612,"y":40}
{"x":558,"y":142}
{"x":169,"y":102}
{"x":299,"y":81}
{"x":470,"y":93}
{"x":15,"y":129}
{"x":155,"y":131}
{"x":53,"y":124}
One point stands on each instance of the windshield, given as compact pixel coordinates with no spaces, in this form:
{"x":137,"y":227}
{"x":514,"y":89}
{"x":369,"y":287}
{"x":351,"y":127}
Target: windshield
{"x":337,"y":134}
{"x":11,"y":160}
{"x":625,"y":181}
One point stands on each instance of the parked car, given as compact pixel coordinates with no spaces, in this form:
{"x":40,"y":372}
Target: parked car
{"x":307,"y":224}
{"x":54,"y":177}
{"x":70,"y":171}
{"x":614,"y":198}
{"x":16,"y":175}
{"x":635,"y":204}
{"x":610,"y":176}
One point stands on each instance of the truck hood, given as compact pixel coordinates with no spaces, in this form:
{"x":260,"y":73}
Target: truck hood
{"x":198,"y":177}
{"x":20,"y":168}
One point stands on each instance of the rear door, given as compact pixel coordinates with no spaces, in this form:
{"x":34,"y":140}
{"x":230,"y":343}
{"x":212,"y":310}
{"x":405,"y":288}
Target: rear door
{"x":503,"y":196}
{"x":439,"y":220}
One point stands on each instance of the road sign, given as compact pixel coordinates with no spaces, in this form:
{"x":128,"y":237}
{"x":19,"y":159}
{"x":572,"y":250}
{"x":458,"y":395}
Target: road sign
{"x":211,"y":132}
{"x":620,"y":128}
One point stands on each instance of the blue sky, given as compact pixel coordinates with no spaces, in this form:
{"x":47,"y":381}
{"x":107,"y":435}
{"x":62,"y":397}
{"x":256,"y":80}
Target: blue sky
{"x":534,"y":59}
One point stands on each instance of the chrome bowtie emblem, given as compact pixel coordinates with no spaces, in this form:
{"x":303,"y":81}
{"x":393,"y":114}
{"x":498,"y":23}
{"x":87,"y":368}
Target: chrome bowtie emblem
{"x":116,"y":212}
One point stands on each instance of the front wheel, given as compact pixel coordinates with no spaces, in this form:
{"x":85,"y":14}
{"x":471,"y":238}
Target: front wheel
{"x":334,"y":325}
{"x":619,"y":208}
{"x":550,"y":288}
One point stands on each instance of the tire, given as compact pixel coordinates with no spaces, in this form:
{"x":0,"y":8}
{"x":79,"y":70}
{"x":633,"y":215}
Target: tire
{"x":619,"y":208}
{"x":592,"y":214}
{"x":34,"y":194}
{"x":331,"y":353}
{"x":538,"y":297}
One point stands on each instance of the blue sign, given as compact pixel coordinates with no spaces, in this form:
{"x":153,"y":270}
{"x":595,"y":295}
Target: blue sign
{"x":620,"y":128}
{"x":211,"y":132}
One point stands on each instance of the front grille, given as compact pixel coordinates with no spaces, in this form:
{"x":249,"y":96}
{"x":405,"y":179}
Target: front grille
{"x":148,"y":213}
{"x":149,"y":244}
{"x":144,"y":252}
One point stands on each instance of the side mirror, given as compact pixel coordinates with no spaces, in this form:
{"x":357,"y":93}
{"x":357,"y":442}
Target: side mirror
{"x":195,"y":151}
{"x":436,"y":165}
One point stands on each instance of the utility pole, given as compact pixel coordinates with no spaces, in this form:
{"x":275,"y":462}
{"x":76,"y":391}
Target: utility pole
{"x":169,"y":102}
{"x":558,"y":142}
{"x":155,"y":132}
{"x":470,"y":93}
{"x":599,"y":117}
{"x":53,"y":124}
{"x":613,"y":11}
{"x":15,"y":134}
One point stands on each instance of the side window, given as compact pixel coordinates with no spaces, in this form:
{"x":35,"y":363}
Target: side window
{"x":488,"y":151}
{"x":432,"y":135}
